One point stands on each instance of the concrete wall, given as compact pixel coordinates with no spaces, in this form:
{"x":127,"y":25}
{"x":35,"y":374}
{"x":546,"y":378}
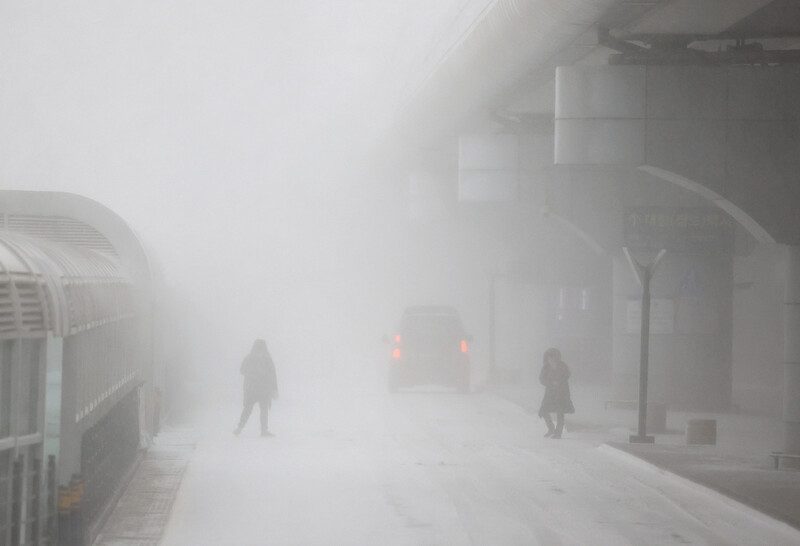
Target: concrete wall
{"x":732,"y":130}
{"x":731,"y":135}
{"x":759,"y":279}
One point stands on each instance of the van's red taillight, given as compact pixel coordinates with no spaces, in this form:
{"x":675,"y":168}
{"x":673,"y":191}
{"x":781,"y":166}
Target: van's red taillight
{"x":396,"y":354}
{"x":463,"y":346}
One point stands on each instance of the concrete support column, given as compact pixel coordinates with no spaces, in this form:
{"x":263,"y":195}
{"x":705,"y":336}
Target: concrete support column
{"x":791,"y":383}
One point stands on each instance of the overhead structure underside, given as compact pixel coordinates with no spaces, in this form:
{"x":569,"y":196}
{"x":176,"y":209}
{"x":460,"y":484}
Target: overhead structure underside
{"x":510,"y":53}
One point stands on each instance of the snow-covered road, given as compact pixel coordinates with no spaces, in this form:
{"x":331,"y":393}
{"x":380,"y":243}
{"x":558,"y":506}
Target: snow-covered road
{"x":434,"y":467}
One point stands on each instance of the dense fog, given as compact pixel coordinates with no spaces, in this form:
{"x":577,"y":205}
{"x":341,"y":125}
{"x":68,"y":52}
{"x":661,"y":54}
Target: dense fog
{"x":296,"y":177}
{"x":246,"y":145}
{"x":234,"y":140}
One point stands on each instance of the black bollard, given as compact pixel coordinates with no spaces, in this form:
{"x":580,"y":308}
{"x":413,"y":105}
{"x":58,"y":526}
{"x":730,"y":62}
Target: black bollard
{"x":76,"y":508}
{"x":52,"y":500}
{"x":64,"y":523}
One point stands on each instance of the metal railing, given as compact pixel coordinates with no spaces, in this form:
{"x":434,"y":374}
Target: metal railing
{"x":30,"y":516}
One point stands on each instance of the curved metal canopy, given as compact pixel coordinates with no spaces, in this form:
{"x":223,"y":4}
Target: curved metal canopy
{"x":51,"y":287}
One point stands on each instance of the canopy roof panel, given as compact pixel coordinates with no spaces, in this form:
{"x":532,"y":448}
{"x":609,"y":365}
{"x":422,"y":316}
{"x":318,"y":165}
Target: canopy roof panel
{"x":52,"y":287}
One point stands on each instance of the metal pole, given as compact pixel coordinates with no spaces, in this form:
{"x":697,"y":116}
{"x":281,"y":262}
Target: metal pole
{"x":642,"y":437}
{"x":645,"y":274}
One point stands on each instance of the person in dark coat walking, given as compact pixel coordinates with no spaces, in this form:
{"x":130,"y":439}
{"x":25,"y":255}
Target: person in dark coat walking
{"x":555,"y":378}
{"x":260,"y":385}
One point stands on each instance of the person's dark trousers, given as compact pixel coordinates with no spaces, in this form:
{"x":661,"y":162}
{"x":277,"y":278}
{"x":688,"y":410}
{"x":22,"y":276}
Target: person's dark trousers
{"x":556,"y":429}
{"x":263,"y":403}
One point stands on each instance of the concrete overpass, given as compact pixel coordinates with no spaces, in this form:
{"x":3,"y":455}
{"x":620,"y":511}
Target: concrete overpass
{"x":562,"y":132}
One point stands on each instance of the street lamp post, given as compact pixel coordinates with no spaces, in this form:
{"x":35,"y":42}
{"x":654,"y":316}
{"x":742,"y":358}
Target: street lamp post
{"x":644,"y":273}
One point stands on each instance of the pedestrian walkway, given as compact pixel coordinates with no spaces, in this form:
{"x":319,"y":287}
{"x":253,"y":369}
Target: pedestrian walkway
{"x":142,"y":512}
{"x":738,"y":465}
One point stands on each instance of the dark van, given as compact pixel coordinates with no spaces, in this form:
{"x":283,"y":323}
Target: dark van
{"x":430,"y":346}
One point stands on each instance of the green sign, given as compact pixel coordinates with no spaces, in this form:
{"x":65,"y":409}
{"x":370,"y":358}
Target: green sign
{"x":679,"y":229}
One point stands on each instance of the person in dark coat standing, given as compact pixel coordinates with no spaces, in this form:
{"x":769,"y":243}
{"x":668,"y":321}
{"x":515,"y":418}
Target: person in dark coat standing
{"x":260,"y":385}
{"x":555,"y":378}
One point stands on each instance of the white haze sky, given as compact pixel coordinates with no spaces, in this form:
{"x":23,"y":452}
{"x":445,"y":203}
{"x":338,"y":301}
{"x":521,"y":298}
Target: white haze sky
{"x":226,"y":135}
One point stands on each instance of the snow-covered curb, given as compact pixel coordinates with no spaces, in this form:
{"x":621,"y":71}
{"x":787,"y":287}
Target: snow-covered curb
{"x":696,"y":488}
